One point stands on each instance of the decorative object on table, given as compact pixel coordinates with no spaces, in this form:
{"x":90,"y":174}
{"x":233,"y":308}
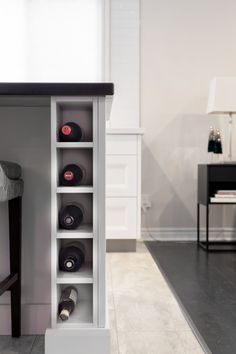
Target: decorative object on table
{"x":211,"y":140}
{"x":222,"y":100}
{"x":224,"y":196}
{"x":218,"y":144}
{"x":214,"y":145}
{"x":211,"y":144}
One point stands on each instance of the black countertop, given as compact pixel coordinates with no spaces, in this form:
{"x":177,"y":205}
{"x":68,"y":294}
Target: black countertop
{"x":56,"y":89}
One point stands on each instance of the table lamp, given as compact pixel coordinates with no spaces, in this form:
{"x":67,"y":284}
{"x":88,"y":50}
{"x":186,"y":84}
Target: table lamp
{"x":222,"y":100}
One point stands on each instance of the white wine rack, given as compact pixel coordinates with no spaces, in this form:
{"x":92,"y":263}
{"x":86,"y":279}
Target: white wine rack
{"x":90,"y":312}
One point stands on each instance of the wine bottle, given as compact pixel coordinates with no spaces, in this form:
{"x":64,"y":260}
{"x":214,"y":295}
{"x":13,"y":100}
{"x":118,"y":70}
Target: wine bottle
{"x":72,"y":175}
{"x":70,"y":132}
{"x":71,"y":216}
{"x":68,"y":300}
{"x":211,"y":144}
{"x":218,"y":144}
{"x":211,"y":140}
{"x":71,"y":257}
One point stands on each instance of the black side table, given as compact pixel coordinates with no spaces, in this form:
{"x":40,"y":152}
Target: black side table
{"x":213,"y":177}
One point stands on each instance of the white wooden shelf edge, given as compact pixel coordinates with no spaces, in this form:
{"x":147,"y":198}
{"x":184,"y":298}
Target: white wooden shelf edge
{"x":73,"y":280}
{"x":84,"y":231}
{"x":83,"y":276}
{"x":83,"y":145}
{"x":69,"y":235}
{"x":125,"y":131}
{"x":80,"y":189}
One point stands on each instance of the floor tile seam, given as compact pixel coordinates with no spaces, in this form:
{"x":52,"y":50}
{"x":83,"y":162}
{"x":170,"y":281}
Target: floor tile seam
{"x":149,"y":277}
{"x":32,"y":345}
{"x":128,"y":256}
{"x":116,"y":328}
{"x":116,"y":334}
{"x":154,"y":331}
{"x":158,"y":300}
{"x":114,"y":309}
{"x":189,"y":331}
{"x":196,"y":346}
{"x":157,"y":288}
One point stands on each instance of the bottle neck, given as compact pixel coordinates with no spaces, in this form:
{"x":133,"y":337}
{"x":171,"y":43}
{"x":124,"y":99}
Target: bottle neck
{"x":69,"y":263}
{"x":64,"y":315}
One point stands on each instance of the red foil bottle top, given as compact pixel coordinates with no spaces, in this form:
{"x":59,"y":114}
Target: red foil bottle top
{"x":66,"y":130}
{"x":68,"y":175}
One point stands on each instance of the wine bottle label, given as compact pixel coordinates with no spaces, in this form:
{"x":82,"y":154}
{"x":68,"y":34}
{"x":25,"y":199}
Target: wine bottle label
{"x":68,"y":175}
{"x":73,"y":296}
{"x":66,"y":130}
{"x":64,"y":315}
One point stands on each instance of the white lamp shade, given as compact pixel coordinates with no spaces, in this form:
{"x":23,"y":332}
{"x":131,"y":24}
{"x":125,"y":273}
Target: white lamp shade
{"x":222,"y":95}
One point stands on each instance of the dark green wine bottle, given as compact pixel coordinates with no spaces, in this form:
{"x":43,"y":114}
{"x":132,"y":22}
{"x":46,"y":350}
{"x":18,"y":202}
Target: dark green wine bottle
{"x":211,"y":140}
{"x":218,"y":143}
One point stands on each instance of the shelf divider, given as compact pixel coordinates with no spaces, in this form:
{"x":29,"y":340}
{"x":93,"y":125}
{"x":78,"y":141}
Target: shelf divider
{"x":79,"y":145}
{"x":80,"y":189}
{"x":84,"y":231}
{"x":83,"y":276}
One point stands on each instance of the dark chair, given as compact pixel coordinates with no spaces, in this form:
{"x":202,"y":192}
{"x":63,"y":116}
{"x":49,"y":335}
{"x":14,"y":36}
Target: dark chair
{"x":11,"y":190}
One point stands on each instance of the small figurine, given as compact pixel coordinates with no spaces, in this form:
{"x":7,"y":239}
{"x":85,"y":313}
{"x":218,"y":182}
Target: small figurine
{"x":218,"y":144}
{"x":211,"y":140}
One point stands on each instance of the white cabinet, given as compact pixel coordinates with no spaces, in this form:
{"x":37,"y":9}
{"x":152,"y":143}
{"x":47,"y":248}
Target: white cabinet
{"x":121,"y":144}
{"x":123,"y":184}
{"x":121,"y":218}
{"x":121,"y":176}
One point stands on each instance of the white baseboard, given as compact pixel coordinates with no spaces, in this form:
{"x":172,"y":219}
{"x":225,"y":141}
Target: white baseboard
{"x":187,"y":234}
{"x":35,"y":319}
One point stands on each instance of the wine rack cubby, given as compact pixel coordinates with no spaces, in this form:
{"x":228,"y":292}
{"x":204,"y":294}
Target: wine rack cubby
{"x":81,"y":114}
{"x":85,"y":273}
{"x":82,"y":315}
{"x":85,"y":201}
{"x":80,"y":157}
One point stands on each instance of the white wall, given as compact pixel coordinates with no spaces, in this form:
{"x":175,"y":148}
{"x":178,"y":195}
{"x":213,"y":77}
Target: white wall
{"x":51,"y":41}
{"x":13,"y":41}
{"x":64,"y":40}
{"x":184,"y":44}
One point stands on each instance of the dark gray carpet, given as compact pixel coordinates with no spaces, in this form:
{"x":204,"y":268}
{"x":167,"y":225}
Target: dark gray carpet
{"x":205,"y":286}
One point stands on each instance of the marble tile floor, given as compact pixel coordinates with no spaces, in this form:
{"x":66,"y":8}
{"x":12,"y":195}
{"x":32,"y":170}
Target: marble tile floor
{"x":144,"y":316}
